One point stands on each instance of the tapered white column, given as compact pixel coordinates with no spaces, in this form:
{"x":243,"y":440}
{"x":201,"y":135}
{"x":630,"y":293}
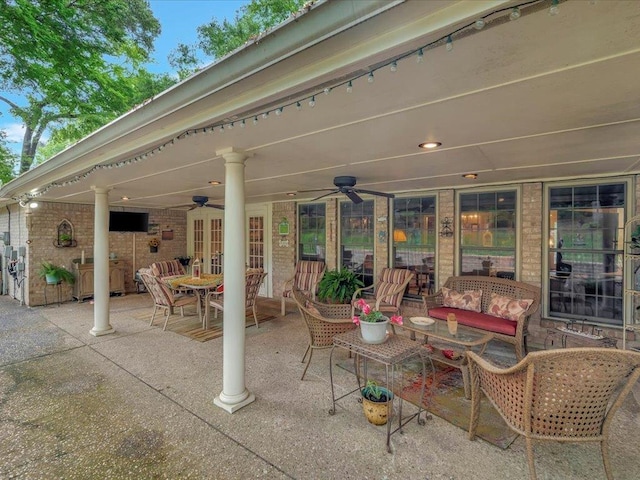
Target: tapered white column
{"x":101,"y":324}
{"x":234,"y":393}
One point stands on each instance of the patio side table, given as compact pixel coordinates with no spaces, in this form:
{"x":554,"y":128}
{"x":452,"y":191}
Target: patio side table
{"x":392,"y":354}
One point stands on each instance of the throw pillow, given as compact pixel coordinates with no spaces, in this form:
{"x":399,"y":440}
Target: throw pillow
{"x":469,"y":300}
{"x":508,"y":308}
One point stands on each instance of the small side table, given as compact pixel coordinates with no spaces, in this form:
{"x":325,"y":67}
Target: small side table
{"x":392,"y":353}
{"x":57,"y":289}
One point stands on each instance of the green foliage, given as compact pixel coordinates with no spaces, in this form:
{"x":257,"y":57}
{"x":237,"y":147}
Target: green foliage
{"x":8,"y":160}
{"x":61,"y":273}
{"x":338,"y":286}
{"x":375,"y":393}
{"x":218,"y":39}
{"x":70,"y":60}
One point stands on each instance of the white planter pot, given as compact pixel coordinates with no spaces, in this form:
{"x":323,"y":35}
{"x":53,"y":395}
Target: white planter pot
{"x":374,"y":332}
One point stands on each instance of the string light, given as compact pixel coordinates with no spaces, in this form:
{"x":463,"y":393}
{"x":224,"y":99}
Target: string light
{"x":478,"y":24}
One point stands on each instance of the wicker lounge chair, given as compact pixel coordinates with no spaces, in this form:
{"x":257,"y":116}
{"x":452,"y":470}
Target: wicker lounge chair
{"x":254,"y":278}
{"x":387,"y":291}
{"x":306,"y":278}
{"x":567,"y":395}
{"x":324,"y":321}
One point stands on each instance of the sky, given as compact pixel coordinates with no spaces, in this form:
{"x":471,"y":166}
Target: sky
{"x":179,"y":20}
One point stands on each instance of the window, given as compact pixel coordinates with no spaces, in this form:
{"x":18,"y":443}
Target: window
{"x":356,"y":238}
{"x":585,"y":267}
{"x":488,"y":233}
{"x":312,"y":231}
{"x":414,"y":241}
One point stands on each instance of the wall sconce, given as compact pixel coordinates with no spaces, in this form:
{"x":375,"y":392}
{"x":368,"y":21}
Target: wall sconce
{"x":446,"y":227}
{"x":399,"y":235}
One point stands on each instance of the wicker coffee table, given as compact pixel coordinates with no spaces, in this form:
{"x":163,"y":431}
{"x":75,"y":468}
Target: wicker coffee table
{"x":464,"y":339}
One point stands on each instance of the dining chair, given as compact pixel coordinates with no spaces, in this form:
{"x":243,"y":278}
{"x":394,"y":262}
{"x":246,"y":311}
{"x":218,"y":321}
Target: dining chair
{"x":387,"y":291}
{"x":163,"y":297}
{"x":306,"y":278}
{"x":567,"y":395}
{"x":253,"y":281}
{"x":324,"y":321}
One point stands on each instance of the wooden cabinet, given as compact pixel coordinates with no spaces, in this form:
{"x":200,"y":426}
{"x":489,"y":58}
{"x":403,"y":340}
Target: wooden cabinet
{"x":83,"y":288}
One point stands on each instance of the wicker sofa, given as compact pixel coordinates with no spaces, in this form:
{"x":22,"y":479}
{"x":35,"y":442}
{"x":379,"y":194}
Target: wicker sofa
{"x":510,"y":331}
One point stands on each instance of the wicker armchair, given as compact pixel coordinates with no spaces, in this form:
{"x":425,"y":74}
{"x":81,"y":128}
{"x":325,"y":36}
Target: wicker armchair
{"x":565,"y":395}
{"x":306,"y":278}
{"x":387,"y":291}
{"x":254,"y":278}
{"x":163,"y":297}
{"x":324,"y":321}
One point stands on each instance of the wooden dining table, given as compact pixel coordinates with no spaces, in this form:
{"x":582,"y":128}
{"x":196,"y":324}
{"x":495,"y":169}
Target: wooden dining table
{"x":201,"y":286}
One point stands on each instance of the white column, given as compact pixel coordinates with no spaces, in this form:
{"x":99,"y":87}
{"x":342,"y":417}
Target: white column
{"x":101,"y":324}
{"x":234,"y":393}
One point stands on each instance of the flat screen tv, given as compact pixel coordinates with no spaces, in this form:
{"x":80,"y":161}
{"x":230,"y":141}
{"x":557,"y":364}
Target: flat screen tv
{"x":128,"y":222}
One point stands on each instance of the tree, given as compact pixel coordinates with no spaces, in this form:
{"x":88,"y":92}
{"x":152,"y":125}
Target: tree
{"x":218,"y":39}
{"x":70,"y":59}
{"x":8,"y":160}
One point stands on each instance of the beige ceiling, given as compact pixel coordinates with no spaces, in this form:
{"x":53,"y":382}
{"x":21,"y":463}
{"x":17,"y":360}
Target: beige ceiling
{"x":538,"y":98}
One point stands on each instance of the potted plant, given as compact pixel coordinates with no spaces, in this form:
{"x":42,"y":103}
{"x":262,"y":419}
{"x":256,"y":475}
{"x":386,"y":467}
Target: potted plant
{"x":54,"y":274}
{"x":64,"y":239}
{"x":375,"y":402}
{"x":373,"y":323}
{"x":338,"y":286}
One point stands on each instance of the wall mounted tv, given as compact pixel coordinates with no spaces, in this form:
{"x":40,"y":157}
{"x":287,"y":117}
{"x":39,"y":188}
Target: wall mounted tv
{"x":128,"y":222}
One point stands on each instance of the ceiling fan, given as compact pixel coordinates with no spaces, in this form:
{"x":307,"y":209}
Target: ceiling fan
{"x":201,"y":201}
{"x":346,"y":185}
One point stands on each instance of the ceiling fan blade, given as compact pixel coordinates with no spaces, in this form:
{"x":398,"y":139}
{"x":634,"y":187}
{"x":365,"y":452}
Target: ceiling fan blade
{"x":373,"y":192}
{"x":353,"y":196}
{"x":318,"y":190}
{"x":211,"y":205}
{"x":332,"y":192}
{"x":194,"y":206}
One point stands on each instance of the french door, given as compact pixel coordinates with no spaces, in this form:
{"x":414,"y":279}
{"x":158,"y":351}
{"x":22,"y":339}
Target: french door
{"x":205,"y":236}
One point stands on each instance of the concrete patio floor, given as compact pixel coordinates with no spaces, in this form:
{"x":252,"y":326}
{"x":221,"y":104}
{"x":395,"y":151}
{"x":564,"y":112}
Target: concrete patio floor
{"x":138,"y":404}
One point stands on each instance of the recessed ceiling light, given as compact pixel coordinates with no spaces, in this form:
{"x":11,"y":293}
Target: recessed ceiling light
{"x":291,"y":194}
{"x":125,"y":198}
{"x":215,"y":182}
{"x":470,"y":176}
{"x":430,"y":145}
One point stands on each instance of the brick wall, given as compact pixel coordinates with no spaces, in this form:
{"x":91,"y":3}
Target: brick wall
{"x":283,"y":259}
{"x":131,"y":248}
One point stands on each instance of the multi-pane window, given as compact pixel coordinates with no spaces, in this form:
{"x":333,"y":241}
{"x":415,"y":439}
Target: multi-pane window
{"x":312,"y":231}
{"x":488,"y":233}
{"x":585,"y":267}
{"x":356,"y":238}
{"x":414,"y":240}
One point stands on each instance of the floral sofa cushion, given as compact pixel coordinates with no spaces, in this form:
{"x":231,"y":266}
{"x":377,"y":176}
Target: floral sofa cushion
{"x":509,"y":308}
{"x":469,"y":300}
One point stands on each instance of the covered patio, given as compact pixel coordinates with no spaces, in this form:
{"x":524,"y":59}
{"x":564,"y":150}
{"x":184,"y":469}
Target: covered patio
{"x":137,"y":404}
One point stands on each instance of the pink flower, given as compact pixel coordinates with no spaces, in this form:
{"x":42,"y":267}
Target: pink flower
{"x":356,"y":320}
{"x":397,"y":319}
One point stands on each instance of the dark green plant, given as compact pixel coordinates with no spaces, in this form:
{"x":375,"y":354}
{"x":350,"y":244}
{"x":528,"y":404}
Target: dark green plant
{"x":61,"y":273}
{"x":338,"y":286}
{"x":375,"y":393}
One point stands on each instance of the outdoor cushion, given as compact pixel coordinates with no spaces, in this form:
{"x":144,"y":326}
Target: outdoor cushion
{"x":476,"y":320}
{"x":506,"y":307}
{"x":469,"y":300}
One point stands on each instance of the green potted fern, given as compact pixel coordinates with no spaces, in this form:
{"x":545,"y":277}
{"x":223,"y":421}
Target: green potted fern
{"x":54,"y":274}
{"x":338,"y":286}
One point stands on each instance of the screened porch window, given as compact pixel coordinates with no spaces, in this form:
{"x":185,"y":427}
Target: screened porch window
{"x":488,"y":233}
{"x":356,"y":239}
{"x":585,"y":266}
{"x":312,"y":231}
{"x":414,"y":241}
